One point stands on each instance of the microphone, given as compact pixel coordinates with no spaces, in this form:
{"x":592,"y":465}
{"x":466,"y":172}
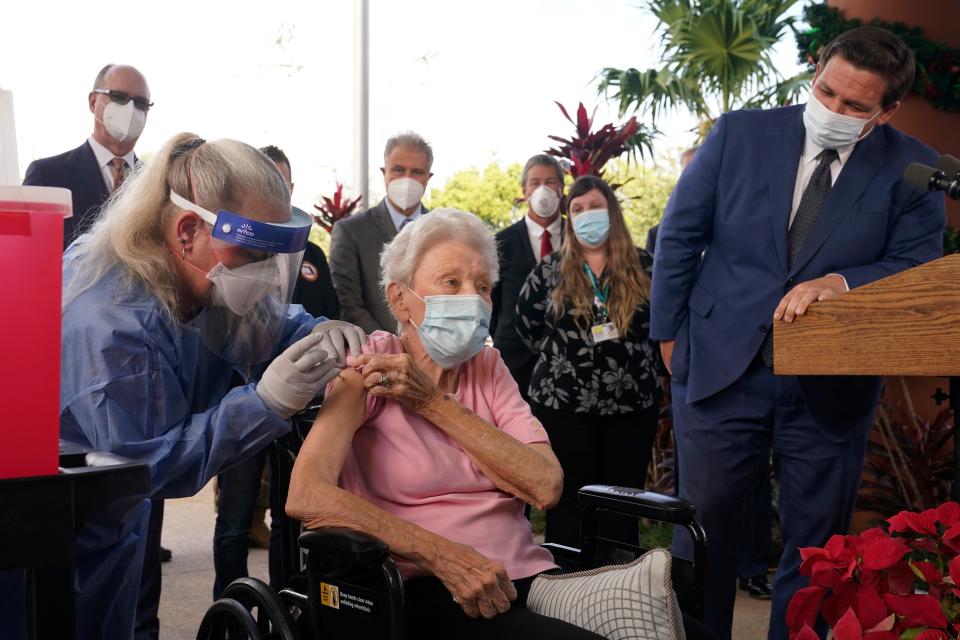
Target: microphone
{"x":949,"y":165}
{"x":932,"y":179}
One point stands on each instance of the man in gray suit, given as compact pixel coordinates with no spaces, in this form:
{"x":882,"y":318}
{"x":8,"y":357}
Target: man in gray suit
{"x":357,"y":241}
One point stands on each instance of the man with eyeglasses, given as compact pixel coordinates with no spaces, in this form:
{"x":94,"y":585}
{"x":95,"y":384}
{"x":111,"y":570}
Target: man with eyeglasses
{"x":119,"y":102}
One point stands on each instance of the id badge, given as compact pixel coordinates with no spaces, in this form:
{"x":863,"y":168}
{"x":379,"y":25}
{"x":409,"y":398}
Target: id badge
{"x":605,"y":331}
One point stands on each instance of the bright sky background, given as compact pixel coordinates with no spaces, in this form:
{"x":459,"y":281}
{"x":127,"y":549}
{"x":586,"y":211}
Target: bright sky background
{"x":476,"y":79}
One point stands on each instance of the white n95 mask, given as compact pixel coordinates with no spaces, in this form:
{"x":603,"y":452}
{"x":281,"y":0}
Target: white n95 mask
{"x":405,"y":192}
{"x":544,"y":201}
{"x":832,"y":130}
{"x":242,"y":288}
{"x":123,"y":121}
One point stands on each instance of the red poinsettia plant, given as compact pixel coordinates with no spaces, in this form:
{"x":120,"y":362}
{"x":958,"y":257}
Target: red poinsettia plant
{"x":588,"y":151}
{"x":334,"y":209}
{"x":897,"y":582}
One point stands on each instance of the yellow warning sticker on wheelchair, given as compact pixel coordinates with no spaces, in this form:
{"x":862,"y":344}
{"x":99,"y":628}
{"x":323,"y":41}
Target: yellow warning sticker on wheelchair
{"x":329,"y":595}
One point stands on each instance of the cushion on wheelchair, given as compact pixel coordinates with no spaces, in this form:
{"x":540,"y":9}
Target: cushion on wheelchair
{"x":633,"y":600}
{"x":345,"y":543}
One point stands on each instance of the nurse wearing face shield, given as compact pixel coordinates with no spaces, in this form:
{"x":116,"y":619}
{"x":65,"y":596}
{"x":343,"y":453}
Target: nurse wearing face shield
{"x":185,"y":278}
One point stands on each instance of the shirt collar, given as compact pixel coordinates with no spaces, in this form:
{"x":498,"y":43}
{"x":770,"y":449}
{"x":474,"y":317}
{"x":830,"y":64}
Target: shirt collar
{"x":811,"y":150}
{"x":104,"y":156}
{"x":537,"y":230}
{"x":398,"y":217}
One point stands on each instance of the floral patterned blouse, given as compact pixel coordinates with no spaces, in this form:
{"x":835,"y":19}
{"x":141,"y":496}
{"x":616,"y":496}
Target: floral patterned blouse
{"x":575,"y":373}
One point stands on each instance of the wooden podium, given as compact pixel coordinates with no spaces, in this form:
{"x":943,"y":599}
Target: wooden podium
{"x":907,"y":324}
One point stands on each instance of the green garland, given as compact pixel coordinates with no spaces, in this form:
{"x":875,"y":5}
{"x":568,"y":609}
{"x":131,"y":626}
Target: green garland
{"x":938,"y":66}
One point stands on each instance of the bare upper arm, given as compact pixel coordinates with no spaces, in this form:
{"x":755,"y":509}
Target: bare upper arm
{"x":325,"y":448}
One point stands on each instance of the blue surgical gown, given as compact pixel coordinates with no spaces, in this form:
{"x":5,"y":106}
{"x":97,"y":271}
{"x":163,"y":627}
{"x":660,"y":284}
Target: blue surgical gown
{"x":137,"y":384}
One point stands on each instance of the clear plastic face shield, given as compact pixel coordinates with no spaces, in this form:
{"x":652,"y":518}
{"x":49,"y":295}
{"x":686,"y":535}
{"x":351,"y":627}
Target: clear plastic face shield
{"x":257,"y":267}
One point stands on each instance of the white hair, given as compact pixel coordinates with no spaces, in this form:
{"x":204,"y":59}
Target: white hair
{"x":400,"y":258}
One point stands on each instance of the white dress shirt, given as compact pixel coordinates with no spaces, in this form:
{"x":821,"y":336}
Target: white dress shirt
{"x":808,"y":164}
{"x":105,"y":161}
{"x":536,"y":232}
{"x":397,"y":217}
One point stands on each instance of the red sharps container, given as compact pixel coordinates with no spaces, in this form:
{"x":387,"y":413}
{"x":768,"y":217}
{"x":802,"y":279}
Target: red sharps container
{"x":31,"y":246}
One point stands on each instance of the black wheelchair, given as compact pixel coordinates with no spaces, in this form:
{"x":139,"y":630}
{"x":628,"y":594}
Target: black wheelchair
{"x":340,"y":583}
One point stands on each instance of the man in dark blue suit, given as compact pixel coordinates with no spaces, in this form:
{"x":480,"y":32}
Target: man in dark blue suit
{"x":119,"y":102}
{"x":792,"y":206}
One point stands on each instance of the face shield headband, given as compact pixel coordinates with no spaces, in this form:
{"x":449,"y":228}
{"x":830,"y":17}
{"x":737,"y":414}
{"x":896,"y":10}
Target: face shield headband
{"x":272,"y":237}
{"x":246,"y":319}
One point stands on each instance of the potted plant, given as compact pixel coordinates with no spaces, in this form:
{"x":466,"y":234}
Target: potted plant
{"x":334,"y":209}
{"x":587,"y":151}
{"x":896,"y":582}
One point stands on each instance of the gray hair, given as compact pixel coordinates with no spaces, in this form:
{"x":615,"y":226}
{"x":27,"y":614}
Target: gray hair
{"x":400,"y":258}
{"x":408,"y":139}
{"x":129,"y":232}
{"x":541,"y":160}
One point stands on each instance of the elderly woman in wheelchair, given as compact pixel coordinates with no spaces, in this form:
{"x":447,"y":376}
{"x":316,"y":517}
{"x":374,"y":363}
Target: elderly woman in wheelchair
{"x":425,"y":443}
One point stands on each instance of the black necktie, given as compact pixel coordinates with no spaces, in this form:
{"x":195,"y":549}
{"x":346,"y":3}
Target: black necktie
{"x":811,"y":202}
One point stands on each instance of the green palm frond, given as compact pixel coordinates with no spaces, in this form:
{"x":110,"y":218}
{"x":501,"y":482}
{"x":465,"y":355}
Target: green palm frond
{"x":651,"y":91}
{"x":716,"y":56}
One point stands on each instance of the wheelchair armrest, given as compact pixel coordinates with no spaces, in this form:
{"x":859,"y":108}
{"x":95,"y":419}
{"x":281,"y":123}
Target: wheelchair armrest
{"x":637,"y":502}
{"x":345,"y":544}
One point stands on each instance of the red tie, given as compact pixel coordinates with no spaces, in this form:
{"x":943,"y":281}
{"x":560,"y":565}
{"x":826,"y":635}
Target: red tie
{"x":119,"y":167}
{"x":546,"y":247}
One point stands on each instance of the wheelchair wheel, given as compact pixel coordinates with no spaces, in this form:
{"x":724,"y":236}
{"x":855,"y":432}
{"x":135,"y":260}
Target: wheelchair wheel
{"x":272,"y":615}
{"x":228,"y":619}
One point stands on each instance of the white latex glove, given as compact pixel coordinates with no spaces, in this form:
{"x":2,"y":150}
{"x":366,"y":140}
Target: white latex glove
{"x":336,"y":336}
{"x":296,"y":376}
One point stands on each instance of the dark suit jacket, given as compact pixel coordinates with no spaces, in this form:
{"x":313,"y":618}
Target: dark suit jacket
{"x":78,"y":171}
{"x":355,"y":246}
{"x":734,"y":200}
{"x":314,"y":289}
{"x":651,"y":245}
{"x":516,"y":263}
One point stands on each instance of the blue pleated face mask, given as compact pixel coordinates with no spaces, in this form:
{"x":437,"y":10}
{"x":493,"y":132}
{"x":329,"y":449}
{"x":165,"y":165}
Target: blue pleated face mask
{"x":454,"y":328}
{"x":592,"y":227}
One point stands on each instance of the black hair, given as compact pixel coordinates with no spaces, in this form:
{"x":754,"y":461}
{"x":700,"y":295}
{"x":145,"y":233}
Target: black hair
{"x":276,"y":154}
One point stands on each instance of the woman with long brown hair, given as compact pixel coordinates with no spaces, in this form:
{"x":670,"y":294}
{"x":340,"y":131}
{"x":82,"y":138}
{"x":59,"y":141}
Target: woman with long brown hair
{"x":585,"y":311}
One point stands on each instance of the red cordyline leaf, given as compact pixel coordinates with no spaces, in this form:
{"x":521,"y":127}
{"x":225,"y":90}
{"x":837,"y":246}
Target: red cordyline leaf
{"x":883,"y":552}
{"x":918,"y":610}
{"x":848,"y":627}
{"x":805,"y":634}
{"x":804,"y":607}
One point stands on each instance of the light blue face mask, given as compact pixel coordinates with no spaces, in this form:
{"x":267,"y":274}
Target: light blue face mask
{"x":454,"y":328}
{"x":592,"y":227}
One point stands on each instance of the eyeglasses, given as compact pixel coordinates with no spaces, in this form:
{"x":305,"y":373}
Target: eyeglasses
{"x":122,"y":97}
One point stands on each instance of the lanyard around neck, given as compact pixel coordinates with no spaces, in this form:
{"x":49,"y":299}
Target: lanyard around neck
{"x":600,"y":295}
